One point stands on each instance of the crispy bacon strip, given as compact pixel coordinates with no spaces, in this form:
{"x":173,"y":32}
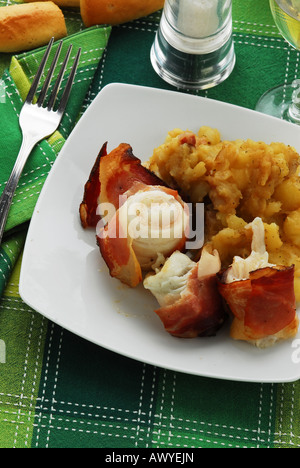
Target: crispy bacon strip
{"x":88,"y":207}
{"x":262,"y":305}
{"x":112,"y":175}
{"x":117,"y":252}
{"x":199,"y":312}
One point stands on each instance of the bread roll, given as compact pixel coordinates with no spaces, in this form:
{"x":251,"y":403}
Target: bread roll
{"x":116,"y":12}
{"x":60,"y":3}
{"x":27,"y":26}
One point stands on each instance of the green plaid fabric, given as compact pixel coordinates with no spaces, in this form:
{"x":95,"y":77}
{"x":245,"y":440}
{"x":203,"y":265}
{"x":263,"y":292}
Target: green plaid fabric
{"x":60,"y":391}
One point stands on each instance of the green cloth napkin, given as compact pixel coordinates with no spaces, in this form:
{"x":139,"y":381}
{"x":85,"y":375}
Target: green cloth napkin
{"x":58,"y":390}
{"x":15,"y":85}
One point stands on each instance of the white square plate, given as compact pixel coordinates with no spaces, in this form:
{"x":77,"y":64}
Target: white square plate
{"x":63,"y":276}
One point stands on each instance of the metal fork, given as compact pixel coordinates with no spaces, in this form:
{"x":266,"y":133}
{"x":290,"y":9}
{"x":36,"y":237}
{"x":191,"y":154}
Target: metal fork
{"x":38,"y":121}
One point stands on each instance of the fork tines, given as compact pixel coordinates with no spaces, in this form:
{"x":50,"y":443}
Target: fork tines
{"x":55,"y":91}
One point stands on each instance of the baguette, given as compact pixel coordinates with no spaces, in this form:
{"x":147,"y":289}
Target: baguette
{"x":116,"y":12}
{"x":27,"y":26}
{"x":60,"y":3}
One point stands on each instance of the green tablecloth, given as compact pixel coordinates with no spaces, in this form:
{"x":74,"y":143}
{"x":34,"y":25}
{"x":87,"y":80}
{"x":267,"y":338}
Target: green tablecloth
{"x":58,"y":390}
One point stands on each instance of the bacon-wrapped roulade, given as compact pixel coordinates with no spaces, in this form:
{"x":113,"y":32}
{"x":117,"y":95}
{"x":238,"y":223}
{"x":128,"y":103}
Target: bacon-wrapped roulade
{"x":187,"y":292}
{"x":149,"y":226}
{"x":260,"y":295}
{"x":142,"y":220}
{"x":111,"y":176}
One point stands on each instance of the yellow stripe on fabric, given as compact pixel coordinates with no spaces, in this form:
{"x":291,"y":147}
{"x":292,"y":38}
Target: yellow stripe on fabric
{"x":19,"y":77}
{"x":23,"y":335}
{"x":12,"y":288}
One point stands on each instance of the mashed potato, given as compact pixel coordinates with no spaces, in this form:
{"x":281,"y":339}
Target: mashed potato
{"x":238,"y":181}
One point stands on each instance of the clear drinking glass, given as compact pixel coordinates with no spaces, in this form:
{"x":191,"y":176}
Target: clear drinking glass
{"x":193,"y":47}
{"x":284,"y":101}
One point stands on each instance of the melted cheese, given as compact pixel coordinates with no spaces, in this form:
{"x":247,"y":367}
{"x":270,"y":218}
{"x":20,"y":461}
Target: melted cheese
{"x":209,"y":263}
{"x":259,"y":257}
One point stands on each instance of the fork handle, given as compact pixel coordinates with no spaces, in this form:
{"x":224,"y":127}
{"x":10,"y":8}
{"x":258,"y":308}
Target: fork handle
{"x":10,"y":188}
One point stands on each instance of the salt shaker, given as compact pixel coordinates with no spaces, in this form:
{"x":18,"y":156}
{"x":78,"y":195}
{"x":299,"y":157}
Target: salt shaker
{"x":193,"y":47}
